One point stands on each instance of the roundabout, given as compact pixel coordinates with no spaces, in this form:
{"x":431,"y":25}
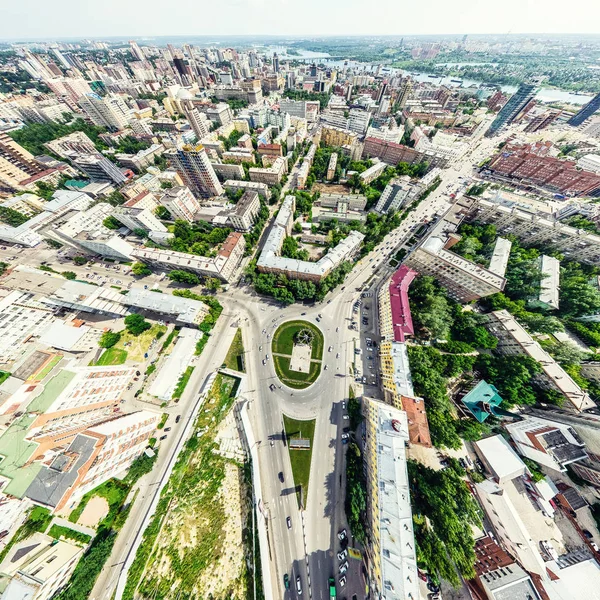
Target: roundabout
{"x":297,"y":348}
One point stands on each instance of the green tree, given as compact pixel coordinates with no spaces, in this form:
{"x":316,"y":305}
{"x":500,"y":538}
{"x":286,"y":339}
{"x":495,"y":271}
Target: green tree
{"x":12,"y":217}
{"x":109,"y":338}
{"x":80,"y":260}
{"x":212,"y":284}
{"x":136,"y":324}
{"x":140,"y":269}
{"x":141,"y":233}
{"x":112,"y":223}
{"x":184,"y":277}
{"x":162,"y":213}
{"x":69,"y":275}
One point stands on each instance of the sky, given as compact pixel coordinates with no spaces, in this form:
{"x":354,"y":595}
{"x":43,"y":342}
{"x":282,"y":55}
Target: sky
{"x":26,"y":19}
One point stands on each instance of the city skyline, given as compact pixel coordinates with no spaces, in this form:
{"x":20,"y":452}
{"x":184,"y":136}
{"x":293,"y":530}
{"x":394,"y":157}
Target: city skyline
{"x":35,"y":20}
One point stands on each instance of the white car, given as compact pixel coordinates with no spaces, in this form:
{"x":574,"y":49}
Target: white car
{"x":342,"y":555}
{"x":342,"y":535}
{"x":343,"y":568}
{"x":342,"y":581}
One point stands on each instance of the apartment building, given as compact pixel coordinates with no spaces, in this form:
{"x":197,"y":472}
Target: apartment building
{"x":142,"y":159}
{"x":391,"y":549}
{"x":397,"y":193}
{"x":261,"y":188}
{"x":239,"y":155}
{"x":533,"y":227}
{"x":373,"y":172}
{"x":224,"y":266}
{"x":245,"y":212}
{"x":271,"y":261}
{"x":550,"y":283}
{"x":514,"y":340}
{"x":464,"y":280}
{"x":195,"y":169}
{"x":270,"y":175}
{"x":228,"y":171}
{"x":590,"y":163}
{"x":554,"y":445}
{"x":390,"y":152}
{"x":93,"y":457}
{"x":38,"y":568}
{"x":98,"y":168}
{"x":181,"y":203}
{"x":511,"y":110}
{"x":331,"y":167}
{"x":138,"y":213}
{"x":16,"y":164}
{"x":73,"y":143}
{"x":110,"y":111}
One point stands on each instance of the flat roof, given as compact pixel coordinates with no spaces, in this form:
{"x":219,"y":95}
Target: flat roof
{"x":549,"y":285}
{"x":500,"y":457}
{"x":402,"y":376}
{"x":62,"y":336}
{"x":499,"y":260}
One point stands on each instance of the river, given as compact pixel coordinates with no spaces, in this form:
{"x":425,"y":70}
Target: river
{"x":544,"y":95}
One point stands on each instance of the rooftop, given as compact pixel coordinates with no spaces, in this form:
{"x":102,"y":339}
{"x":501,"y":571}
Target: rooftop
{"x":501,"y":459}
{"x":400,"y":306}
{"x":482,"y":401}
{"x":398,"y":558}
{"x":499,"y":260}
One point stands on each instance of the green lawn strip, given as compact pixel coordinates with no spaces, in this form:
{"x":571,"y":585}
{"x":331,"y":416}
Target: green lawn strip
{"x":110,"y":357}
{"x":194,"y":486}
{"x":58,"y":531}
{"x":300,"y":459}
{"x":163,"y":420}
{"x":4,"y":375}
{"x":182,"y":383}
{"x":234,"y":358}
{"x":38,"y":519}
{"x":169,"y":339}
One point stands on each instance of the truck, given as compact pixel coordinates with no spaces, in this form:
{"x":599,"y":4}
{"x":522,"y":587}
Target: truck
{"x":331,"y":588}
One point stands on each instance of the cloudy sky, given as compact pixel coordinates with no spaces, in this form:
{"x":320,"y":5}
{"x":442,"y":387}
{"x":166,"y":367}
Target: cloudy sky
{"x":97,"y":18}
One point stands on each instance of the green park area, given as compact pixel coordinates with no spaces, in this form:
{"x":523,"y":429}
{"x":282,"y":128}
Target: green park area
{"x":288,"y":337}
{"x":300,"y":458}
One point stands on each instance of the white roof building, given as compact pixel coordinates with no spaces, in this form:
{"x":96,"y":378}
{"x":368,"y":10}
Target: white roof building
{"x":499,"y":260}
{"x":499,"y":458}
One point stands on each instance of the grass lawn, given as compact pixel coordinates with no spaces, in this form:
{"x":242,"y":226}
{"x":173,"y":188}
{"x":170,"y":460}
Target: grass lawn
{"x":234,"y":358}
{"x":295,"y":379}
{"x":111,"y":356}
{"x":283,"y":343}
{"x":137,"y":346}
{"x":300,"y":459}
{"x":283,"y":339}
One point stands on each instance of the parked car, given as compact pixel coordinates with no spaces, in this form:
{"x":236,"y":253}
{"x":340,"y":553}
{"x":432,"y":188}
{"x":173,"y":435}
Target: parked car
{"x":286,"y":581}
{"x":167,"y":429}
{"x":587,"y":534}
{"x":177,"y":418}
{"x":163,"y":437}
{"x":299,"y":585}
{"x":342,"y":581}
{"x":342,"y":555}
{"x":342,"y":535}
{"x":343,"y":568}
{"x":289,"y":522}
{"x":345,"y":436}
{"x":281,"y":476}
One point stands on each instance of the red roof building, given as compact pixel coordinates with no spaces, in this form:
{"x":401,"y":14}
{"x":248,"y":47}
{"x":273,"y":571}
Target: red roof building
{"x":401,"y":317}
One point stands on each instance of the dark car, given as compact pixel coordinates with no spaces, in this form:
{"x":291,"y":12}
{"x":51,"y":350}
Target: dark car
{"x":167,"y":429}
{"x":163,"y":437}
{"x":346,"y":429}
{"x":177,"y":418}
{"x":286,"y":581}
{"x":289,"y":522}
{"x":587,"y":534}
{"x":281,"y":476}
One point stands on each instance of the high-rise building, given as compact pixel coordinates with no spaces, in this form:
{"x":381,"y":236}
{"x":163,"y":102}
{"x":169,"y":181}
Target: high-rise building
{"x":197,"y":120}
{"x":586,"y":112}
{"x":404,"y":93}
{"x":136,"y":50}
{"x":98,"y":168}
{"x":110,"y":111}
{"x":16,"y":163}
{"x":519,"y":100}
{"x":194,"y":167}
{"x":275,"y":63}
